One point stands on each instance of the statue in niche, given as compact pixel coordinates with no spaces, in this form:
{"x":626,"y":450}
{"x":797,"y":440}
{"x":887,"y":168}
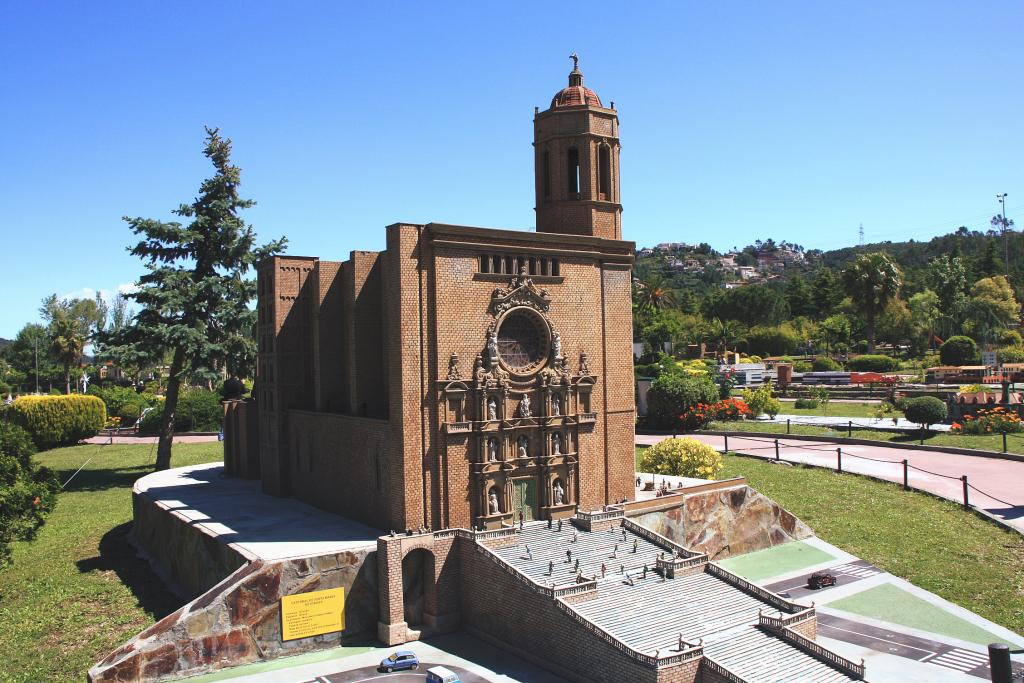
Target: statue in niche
{"x":492,"y":348}
{"x":584,"y":370}
{"x":522,"y":441}
{"x":492,"y":409}
{"x":556,"y":345}
{"x":556,"y":405}
{"x":559,"y":493}
{"x":492,"y":502}
{"x":453,"y":367}
{"x":556,"y":444}
{"x":492,"y":450}
{"x":524,"y":406}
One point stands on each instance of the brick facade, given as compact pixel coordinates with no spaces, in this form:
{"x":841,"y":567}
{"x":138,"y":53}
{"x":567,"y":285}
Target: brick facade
{"x":380,"y":391}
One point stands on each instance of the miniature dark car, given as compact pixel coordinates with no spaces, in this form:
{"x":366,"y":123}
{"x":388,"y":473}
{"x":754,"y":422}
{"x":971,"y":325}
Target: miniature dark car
{"x":821,"y":580}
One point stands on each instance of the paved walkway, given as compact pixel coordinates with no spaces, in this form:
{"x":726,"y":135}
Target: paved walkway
{"x":183,"y":438}
{"x":901,"y":423}
{"x":997,"y":485}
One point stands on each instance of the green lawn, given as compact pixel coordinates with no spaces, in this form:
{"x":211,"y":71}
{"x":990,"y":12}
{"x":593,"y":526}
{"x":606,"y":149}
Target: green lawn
{"x":77,"y":591}
{"x":933,"y":543}
{"x":834,"y":409}
{"x":988,"y":442}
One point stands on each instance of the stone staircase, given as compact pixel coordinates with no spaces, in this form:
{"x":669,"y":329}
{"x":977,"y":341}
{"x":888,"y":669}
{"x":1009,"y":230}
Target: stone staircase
{"x":665,"y":605}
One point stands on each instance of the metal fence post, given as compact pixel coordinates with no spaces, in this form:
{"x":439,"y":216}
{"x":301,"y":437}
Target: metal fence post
{"x":776,"y":449}
{"x":999,"y":661}
{"x":967,"y":504}
{"x":906,"y":475}
{"x":1004,"y":442}
{"x":726,"y":437}
{"x":849,"y":428}
{"x":839,"y":459}
{"x":1004,"y":435}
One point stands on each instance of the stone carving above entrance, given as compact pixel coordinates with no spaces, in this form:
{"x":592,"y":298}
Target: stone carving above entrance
{"x":520,"y":292}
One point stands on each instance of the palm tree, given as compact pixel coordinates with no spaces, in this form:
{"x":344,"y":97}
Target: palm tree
{"x":67,"y":343}
{"x":655,"y":293}
{"x":721,"y":333}
{"x":871,"y":281}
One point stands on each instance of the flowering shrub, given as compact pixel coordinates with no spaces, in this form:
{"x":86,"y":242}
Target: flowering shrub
{"x":989,"y":421}
{"x":761,"y":400}
{"x":682,"y":458}
{"x":698,"y":416}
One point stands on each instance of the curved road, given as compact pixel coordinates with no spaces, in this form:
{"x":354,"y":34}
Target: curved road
{"x":997,"y":484}
{"x":370,"y":674}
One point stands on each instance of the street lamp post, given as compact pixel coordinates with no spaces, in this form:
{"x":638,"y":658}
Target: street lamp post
{"x":35,"y":345}
{"x":1001,"y":198}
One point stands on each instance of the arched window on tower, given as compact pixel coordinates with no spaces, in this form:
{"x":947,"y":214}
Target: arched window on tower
{"x":573,"y":168}
{"x":604,"y":165}
{"x":546,"y":173}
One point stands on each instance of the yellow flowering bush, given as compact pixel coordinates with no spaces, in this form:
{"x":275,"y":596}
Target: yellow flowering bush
{"x":58,"y":420}
{"x":682,"y":458}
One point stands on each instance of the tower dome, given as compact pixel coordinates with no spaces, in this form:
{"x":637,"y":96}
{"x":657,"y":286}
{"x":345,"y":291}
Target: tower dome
{"x":575,"y":94}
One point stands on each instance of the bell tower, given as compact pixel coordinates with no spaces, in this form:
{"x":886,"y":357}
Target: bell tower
{"x":576,"y":157}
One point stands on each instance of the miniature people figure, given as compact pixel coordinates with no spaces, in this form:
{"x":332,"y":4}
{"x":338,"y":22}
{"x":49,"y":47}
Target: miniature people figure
{"x":492,"y":409}
{"x":520,"y":520}
{"x":638,"y":482}
{"x":634,"y":546}
{"x":604,"y":570}
{"x":522,"y":447}
{"x":574,"y":537}
{"x":549,"y":522}
{"x":559,"y":525}
{"x":551,"y":568}
{"x":556,"y":406}
{"x":524,"y":406}
{"x":577,"y":564}
{"x":623,"y":534}
{"x":645,"y":571}
{"x":568,"y":556}
{"x":492,"y":502}
{"x":492,"y":450}
{"x":559,"y":492}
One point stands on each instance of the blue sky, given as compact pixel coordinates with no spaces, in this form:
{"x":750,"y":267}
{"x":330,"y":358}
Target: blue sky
{"x":742,"y":120}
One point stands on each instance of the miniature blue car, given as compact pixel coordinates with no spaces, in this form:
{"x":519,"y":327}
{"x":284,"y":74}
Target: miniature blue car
{"x":400,"y":661}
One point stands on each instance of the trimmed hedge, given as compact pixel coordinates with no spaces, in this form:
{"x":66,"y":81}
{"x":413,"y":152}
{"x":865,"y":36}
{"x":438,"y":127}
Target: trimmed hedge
{"x":671,"y":395}
{"x":873,"y":363}
{"x":58,"y":420}
{"x":198,"y":410}
{"x":925,"y":410}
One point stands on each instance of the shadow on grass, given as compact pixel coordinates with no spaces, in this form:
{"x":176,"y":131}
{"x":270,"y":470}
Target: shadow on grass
{"x":101,"y":480}
{"x":119,"y":556}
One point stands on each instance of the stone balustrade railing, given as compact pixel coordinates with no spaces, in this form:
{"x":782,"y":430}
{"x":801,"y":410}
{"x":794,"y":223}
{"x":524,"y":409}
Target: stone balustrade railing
{"x":599,"y":515}
{"x":657,"y":539}
{"x":782,"y":621}
{"x":720,"y":670}
{"x":821,"y":652}
{"x":776,"y":601}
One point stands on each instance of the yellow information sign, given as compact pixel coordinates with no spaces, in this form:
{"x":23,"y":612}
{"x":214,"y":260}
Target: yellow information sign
{"x":312,"y":614}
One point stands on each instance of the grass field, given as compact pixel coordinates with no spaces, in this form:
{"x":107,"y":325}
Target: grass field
{"x":78,"y":591}
{"x":933,"y":543}
{"x":987,"y":442}
{"x":834,"y":409}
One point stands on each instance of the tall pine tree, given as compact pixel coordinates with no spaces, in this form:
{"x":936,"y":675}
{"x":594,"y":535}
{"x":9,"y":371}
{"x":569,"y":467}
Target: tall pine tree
{"x":194,"y":299}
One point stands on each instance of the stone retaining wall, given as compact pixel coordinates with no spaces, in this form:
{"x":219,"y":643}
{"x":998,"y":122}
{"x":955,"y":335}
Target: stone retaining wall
{"x":725,"y":523}
{"x":238,"y":621}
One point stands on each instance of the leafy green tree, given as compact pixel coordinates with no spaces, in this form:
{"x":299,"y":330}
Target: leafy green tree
{"x":997,"y":295}
{"x":925,"y":410}
{"x":828,"y":292}
{"x":800,"y":296}
{"x":990,"y":264}
{"x":70,"y":325}
{"x":871,"y":281}
{"x":834,"y":331}
{"x":924,"y":310}
{"x":194,"y":299}
{"x":947,"y":277}
{"x":958,"y":350}
{"x":27,"y":493}
{"x":896,"y":323}
{"x":722,"y":334}
{"x":29,"y":345}
{"x":750,"y":305}
{"x":662,"y":328}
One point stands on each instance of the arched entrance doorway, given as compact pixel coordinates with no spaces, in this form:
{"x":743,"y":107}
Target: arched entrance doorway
{"x":417,"y":585}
